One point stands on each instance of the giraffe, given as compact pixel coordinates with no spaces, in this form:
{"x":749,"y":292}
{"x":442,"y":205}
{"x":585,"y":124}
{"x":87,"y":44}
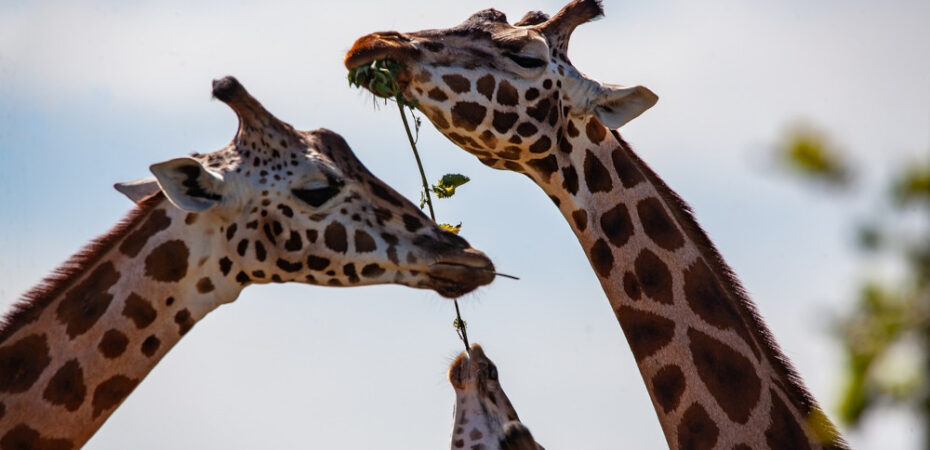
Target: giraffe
{"x":275,"y":205}
{"x":509,"y":95}
{"x":484,"y":417}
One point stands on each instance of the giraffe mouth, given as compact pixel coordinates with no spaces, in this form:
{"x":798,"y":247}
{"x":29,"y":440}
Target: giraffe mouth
{"x":381,"y":47}
{"x":378,"y":46}
{"x":460,"y":274}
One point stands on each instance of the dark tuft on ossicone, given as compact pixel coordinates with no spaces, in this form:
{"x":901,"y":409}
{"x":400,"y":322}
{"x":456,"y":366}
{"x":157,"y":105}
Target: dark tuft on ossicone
{"x":226,"y":88}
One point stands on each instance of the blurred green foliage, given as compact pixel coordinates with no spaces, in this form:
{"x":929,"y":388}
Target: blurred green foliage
{"x":807,"y":151}
{"x":886,"y":335}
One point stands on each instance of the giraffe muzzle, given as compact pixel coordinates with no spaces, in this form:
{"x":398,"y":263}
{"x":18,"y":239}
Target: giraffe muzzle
{"x":460,"y":273}
{"x":378,"y":46}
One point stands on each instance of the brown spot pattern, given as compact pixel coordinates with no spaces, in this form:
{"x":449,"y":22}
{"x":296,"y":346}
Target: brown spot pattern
{"x":293,"y":242}
{"x":364,"y":243}
{"x":260,"y":252}
{"x":468,"y":115}
{"x":595,"y":131}
{"x":658,"y":225}
{"x":184,"y":320}
{"x":411,"y":223}
{"x":541,"y":145}
{"x":540,"y":110}
{"x":526,"y":129}
{"x":502,"y":122}
{"x":697,"y":431}
{"x":335,"y":237}
{"x":139,"y":310}
{"x":150,"y":345}
{"x":317,"y":263}
{"x":289,"y":266}
{"x":617,"y":225}
{"x":631,"y":286}
{"x":668,"y":384}
{"x":437,"y":94}
{"x":729,"y":376}
{"x":167,"y":262}
{"x":205,"y":285}
{"x":654,"y":276}
{"x":646,"y":332}
{"x":580,"y":217}
{"x":111,"y":393}
{"x":22,"y":437}
{"x":66,"y":388}
{"x":784,"y":432}
{"x":135,"y":241}
{"x":225,"y":265}
{"x":457,"y":83}
{"x":485,"y":86}
{"x":507,"y":95}
{"x":707,"y":300}
{"x":545,"y":167}
{"x":113,"y":343}
{"x":628,"y":174}
{"x":570,"y":179}
{"x":602,"y":259}
{"x":372,"y":270}
{"x":84,"y":304}
{"x":596,"y":175}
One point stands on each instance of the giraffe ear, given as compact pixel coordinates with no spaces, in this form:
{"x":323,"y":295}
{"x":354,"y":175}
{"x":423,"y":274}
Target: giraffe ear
{"x":188,"y":184}
{"x":617,"y":105}
{"x":138,"y":190}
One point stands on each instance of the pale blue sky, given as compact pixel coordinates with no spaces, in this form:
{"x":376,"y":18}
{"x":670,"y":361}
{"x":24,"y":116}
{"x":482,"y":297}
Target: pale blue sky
{"x":92,"y":93}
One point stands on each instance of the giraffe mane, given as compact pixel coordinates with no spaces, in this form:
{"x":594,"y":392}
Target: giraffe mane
{"x":31,"y":304}
{"x":747,"y":309}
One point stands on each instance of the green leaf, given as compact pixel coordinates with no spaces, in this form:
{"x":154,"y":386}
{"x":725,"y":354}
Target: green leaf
{"x":380,"y":77}
{"x":445,"y":188}
{"x":808,"y":152}
{"x":913,"y":184}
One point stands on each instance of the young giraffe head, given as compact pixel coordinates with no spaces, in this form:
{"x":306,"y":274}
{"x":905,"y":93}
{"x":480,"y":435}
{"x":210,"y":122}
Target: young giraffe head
{"x":299,"y":206}
{"x":484,"y":417}
{"x":505,"y":93}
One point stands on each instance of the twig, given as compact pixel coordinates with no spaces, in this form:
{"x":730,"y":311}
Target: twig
{"x":459,"y":323}
{"x":416,"y":154}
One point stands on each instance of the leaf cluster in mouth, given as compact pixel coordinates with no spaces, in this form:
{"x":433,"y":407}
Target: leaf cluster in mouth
{"x":380,"y":77}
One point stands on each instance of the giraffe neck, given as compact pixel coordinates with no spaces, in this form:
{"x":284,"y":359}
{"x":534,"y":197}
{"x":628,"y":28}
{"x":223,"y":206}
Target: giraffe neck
{"x":82,"y":341}
{"x":714,"y":374}
{"x":472,"y":426}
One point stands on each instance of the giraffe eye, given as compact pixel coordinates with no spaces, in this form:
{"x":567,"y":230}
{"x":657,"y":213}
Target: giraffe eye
{"x":526,"y":61}
{"x":316,"y":197}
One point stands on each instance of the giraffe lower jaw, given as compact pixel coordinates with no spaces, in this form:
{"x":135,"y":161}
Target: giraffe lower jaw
{"x":451,"y":280}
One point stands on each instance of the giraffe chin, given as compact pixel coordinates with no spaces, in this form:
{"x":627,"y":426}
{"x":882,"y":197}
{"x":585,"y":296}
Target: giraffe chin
{"x":453,"y":280}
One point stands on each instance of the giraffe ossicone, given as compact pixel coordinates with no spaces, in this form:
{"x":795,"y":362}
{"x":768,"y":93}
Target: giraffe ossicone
{"x":275,"y":205}
{"x":484,"y":417}
{"x":509,"y":95}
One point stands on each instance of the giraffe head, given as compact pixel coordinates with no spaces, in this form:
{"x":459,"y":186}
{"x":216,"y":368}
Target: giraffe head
{"x":483,"y":413}
{"x":505,"y":93}
{"x":299,"y":206}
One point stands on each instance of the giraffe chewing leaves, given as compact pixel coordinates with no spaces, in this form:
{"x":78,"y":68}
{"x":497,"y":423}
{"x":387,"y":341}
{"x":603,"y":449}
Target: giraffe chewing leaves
{"x":380,"y":77}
